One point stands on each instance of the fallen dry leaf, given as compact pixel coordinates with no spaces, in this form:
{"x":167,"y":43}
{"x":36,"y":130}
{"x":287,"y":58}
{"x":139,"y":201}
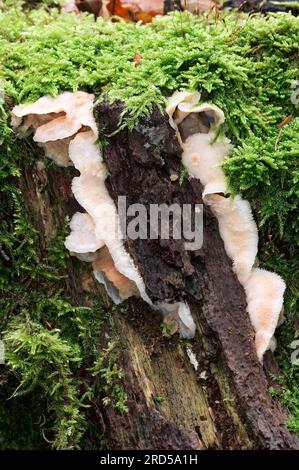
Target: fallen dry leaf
{"x":170,"y":326}
{"x":136,"y":10}
{"x":137,"y":58}
{"x":286,"y":121}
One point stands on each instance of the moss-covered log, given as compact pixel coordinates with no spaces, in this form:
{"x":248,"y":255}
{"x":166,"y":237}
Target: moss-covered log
{"x":60,"y":353}
{"x":225,"y":403}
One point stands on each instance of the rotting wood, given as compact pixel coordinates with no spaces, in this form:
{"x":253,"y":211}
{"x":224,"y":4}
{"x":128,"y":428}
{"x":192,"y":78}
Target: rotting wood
{"x":225,"y":403}
{"x":148,"y":155}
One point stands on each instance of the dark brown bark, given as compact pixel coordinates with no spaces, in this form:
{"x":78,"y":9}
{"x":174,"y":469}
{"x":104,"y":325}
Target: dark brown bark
{"x":225,"y":403}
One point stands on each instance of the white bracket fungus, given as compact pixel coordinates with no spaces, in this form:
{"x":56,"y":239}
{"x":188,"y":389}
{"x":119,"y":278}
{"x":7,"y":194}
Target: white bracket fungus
{"x":264,"y":292}
{"x":55,"y":121}
{"x":65,"y":127}
{"x":82,"y":238}
{"x":196,"y":126}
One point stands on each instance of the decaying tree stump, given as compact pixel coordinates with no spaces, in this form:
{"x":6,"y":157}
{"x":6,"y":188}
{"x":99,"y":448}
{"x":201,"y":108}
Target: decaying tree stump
{"x":225,"y":403}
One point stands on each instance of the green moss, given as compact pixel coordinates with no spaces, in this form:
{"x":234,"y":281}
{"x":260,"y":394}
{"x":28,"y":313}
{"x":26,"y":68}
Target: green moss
{"x":267,"y":171}
{"x":43,"y":360}
{"x":109,"y":377}
{"x":245,"y":65}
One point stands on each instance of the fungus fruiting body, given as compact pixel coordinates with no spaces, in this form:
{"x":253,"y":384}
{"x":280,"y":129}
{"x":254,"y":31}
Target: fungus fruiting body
{"x":66,"y":128}
{"x":82,"y":238}
{"x":238,"y":232}
{"x":203,"y":151}
{"x":55,"y":121}
{"x":264,"y":291}
{"x":117,"y":285}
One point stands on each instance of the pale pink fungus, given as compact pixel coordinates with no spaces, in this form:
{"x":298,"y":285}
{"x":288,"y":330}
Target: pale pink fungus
{"x":55,"y":118}
{"x":238,"y":232}
{"x":205,"y":165}
{"x":57,"y":129}
{"x":58,"y":150}
{"x":82,"y":238}
{"x":264,"y":291}
{"x":202,"y":154}
{"x":104,"y":263}
{"x":56,"y":122}
{"x":85,"y":155}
